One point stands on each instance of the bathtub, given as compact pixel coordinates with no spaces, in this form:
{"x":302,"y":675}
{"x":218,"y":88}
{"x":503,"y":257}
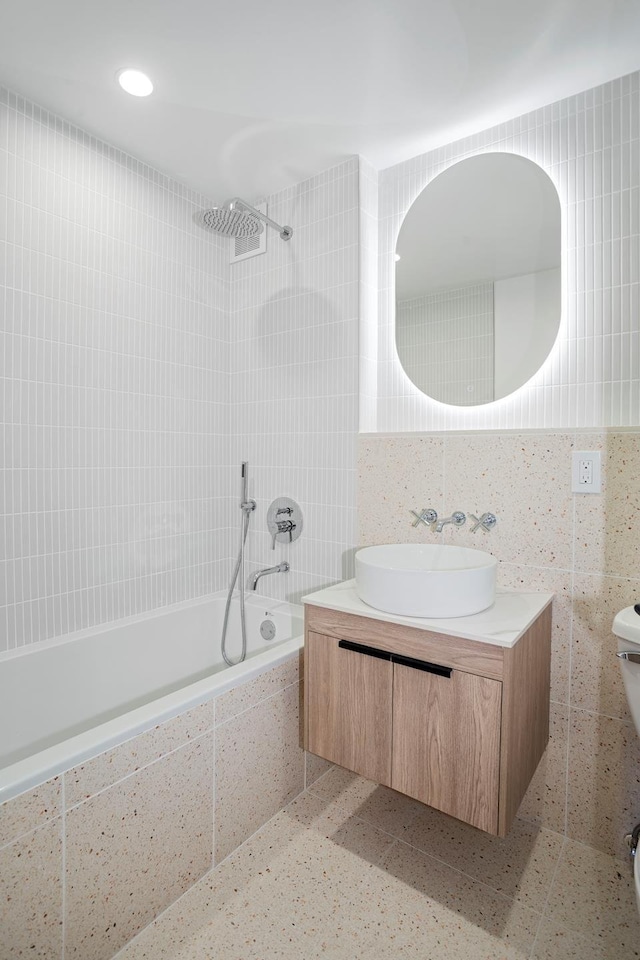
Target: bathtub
{"x":67,"y":701}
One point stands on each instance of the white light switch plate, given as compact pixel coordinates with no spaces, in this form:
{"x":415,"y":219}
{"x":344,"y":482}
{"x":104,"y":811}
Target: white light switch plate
{"x":586,"y":471}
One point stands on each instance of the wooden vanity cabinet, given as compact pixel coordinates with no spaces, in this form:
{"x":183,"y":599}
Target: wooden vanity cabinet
{"x":458,"y":724}
{"x":350,"y":702}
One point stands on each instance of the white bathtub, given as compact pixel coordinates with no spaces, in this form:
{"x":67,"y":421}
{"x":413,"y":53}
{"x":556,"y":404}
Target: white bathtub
{"x":70,"y":700}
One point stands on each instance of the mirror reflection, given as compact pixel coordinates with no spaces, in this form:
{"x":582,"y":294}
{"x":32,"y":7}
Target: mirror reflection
{"x":478,"y":279}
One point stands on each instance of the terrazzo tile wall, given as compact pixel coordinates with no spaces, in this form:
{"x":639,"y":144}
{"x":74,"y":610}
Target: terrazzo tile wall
{"x":582,"y":548}
{"x":294,"y":381}
{"x":113,"y":366}
{"x":90,"y":857}
{"x":513,"y":457}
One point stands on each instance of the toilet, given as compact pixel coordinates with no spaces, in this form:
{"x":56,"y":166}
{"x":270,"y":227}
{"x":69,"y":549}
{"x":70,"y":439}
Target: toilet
{"x":626,"y":627}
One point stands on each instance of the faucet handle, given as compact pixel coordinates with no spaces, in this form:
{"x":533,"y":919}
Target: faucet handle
{"x":425,"y":516}
{"x":487,"y":521}
{"x":283,"y":526}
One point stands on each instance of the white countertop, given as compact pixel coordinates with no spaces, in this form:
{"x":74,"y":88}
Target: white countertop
{"x":502,"y":624}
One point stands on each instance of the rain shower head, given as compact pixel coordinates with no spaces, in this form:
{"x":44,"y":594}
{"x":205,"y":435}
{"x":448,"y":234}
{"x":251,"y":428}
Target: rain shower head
{"x":236,"y":218}
{"x":230,"y":223}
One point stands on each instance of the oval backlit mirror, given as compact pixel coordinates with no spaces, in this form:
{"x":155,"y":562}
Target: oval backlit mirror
{"x":478,"y":279}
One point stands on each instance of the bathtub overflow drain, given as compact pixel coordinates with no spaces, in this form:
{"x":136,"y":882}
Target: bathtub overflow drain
{"x":268,"y":629}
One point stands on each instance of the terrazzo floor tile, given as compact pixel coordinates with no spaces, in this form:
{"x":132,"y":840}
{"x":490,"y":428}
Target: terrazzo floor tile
{"x":316,"y":767}
{"x":319,"y":882}
{"x":520,"y":866}
{"x":384,"y":808}
{"x":592,"y":895}
{"x":557,"y":943}
{"x":604,"y":781}
{"x":545,"y":802}
{"x":480,"y":921}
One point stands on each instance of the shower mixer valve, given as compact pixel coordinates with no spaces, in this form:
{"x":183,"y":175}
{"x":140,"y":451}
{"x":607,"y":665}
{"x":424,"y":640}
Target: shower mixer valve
{"x":284,"y":521}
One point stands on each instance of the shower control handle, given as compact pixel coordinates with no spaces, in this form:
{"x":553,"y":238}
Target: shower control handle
{"x":283,"y":526}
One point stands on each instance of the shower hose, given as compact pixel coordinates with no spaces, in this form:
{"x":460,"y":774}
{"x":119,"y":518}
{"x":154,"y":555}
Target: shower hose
{"x":247,"y":507}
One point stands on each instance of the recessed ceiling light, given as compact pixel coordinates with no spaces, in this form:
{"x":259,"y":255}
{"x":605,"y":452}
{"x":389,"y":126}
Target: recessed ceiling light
{"x":397,"y":257}
{"x":135,"y":82}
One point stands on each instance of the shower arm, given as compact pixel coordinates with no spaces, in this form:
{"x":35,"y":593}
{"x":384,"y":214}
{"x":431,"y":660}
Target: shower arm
{"x":285,"y":232}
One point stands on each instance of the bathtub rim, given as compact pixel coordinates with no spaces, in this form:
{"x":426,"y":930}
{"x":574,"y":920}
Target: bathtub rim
{"x":87,"y":632}
{"x":32,"y":771}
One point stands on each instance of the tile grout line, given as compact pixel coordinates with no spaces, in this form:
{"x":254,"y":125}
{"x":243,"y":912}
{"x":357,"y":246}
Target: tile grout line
{"x":544,"y":916}
{"x":36,"y":829}
{"x":468,"y":876}
{"x":64,"y":870}
{"x":574,"y":442}
{"x":424,"y":852}
{"x":258,"y":702}
{"x":214,"y":741}
{"x":145,"y":766}
{"x":210,"y":871}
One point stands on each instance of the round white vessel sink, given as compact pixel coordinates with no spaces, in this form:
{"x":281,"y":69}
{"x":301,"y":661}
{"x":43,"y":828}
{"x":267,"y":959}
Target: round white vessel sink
{"x":426,"y":580}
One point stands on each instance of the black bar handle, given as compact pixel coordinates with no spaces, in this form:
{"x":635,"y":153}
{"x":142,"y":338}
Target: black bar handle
{"x":362,"y":648}
{"x":422,"y":665}
{"x":396,"y":658}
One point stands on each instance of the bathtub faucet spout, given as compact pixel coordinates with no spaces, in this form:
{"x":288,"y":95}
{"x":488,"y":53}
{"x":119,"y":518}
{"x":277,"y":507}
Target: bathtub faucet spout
{"x":279,"y":568}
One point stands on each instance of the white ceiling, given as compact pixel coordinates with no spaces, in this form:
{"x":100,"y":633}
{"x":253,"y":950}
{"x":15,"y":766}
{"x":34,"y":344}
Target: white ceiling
{"x":252,"y":96}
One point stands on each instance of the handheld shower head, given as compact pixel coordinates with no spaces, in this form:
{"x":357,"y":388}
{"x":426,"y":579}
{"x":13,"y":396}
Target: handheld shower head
{"x":236,"y":218}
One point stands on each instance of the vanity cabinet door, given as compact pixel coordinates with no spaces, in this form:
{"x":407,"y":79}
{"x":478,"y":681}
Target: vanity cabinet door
{"x":348,"y":688}
{"x":446,"y":742}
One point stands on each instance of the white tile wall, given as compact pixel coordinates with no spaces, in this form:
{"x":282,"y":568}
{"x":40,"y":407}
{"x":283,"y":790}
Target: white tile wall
{"x":445,"y":343}
{"x":368,"y":295}
{"x":590,"y":147}
{"x":294,"y":380}
{"x":114,"y":383}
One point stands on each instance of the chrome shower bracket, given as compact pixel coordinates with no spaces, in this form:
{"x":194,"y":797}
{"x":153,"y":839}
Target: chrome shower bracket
{"x":284,"y":521}
{"x":286,"y":232}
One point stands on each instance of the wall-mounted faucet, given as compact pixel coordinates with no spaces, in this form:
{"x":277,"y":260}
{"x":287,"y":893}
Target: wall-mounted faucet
{"x":430,"y":518}
{"x":458,"y":519}
{"x":279,"y":568}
